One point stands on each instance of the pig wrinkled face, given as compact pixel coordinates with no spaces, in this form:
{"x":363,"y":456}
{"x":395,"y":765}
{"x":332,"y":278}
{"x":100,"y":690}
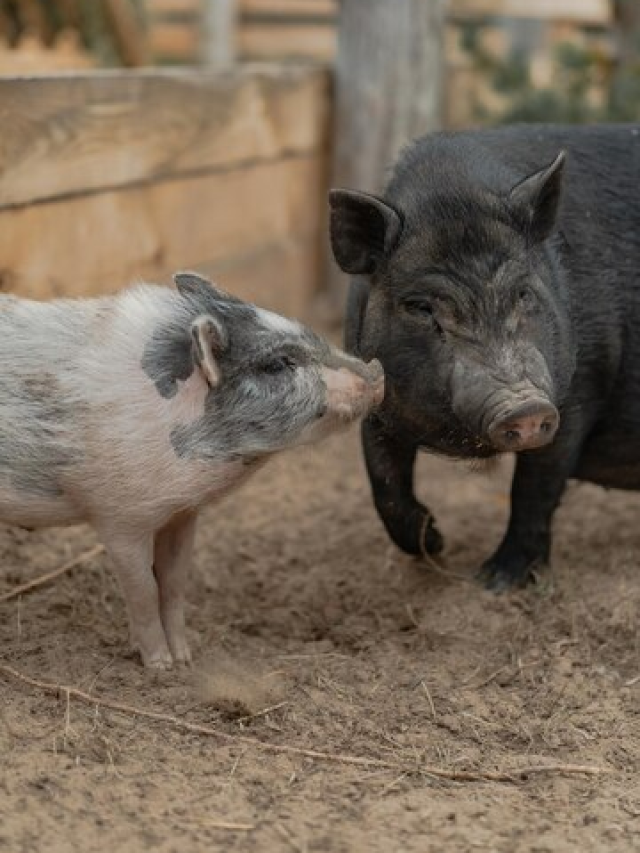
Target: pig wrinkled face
{"x":273,"y":384}
{"x":463,"y":309}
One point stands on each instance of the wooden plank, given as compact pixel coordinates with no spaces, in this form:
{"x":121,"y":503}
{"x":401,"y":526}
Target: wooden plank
{"x":171,"y":40}
{"x":73,"y":134}
{"x":224,"y":222}
{"x":282,"y":275}
{"x":580,"y":11}
{"x":271,"y":41}
{"x":173,"y":7}
{"x":222,"y":215}
{"x":292,"y":8}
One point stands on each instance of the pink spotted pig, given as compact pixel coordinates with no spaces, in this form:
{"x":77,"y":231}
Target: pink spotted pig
{"x":131,"y":412}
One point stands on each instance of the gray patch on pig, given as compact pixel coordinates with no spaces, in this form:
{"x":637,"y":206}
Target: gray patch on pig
{"x":35,"y":449}
{"x":168,"y":358}
{"x":253,"y":413}
{"x":243,"y":421}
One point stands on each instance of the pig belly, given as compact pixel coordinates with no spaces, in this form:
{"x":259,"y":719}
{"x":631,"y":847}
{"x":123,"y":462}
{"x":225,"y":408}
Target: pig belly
{"x":612,"y":460}
{"x":34,"y":511}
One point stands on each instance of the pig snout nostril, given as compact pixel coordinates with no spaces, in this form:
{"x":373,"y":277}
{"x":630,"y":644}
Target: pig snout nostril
{"x":530,"y":426}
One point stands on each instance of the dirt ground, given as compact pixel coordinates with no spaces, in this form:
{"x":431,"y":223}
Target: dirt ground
{"x":311,"y":631}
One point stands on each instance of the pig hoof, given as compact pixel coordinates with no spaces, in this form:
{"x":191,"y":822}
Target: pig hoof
{"x":182,"y":655}
{"x":159,"y":660}
{"x":414,"y":531}
{"x":499,"y":578}
{"x":159,"y":664}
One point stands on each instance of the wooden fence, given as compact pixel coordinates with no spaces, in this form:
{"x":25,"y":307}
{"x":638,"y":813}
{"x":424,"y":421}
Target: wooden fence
{"x":306,"y":29}
{"x":277,"y":29}
{"x":111,"y":176}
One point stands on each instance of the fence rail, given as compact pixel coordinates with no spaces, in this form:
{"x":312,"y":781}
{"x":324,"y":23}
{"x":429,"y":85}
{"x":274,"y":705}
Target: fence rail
{"x":114,"y":175}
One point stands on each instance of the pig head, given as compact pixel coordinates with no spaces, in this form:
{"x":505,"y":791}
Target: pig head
{"x":457,"y":296}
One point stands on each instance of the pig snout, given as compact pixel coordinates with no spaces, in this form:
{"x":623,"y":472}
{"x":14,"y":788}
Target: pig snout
{"x":353,"y":391}
{"x":525,"y":427}
{"x":376,"y":382}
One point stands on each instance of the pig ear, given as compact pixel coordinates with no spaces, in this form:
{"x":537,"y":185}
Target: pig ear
{"x":209,"y":340}
{"x":537,"y":198}
{"x":192,"y":284}
{"x":364,"y":229}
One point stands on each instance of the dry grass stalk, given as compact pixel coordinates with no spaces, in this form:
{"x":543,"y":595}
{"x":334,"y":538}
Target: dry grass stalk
{"x":52,"y":575}
{"x":513,"y":776}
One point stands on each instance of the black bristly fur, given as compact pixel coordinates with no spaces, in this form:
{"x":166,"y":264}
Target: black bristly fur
{"x":485,"y":216}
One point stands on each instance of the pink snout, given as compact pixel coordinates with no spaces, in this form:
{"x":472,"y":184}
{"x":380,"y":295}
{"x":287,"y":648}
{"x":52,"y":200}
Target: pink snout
{"x":353,"y":393}
{"x":377,"y":385}
{"x":527,"y":427}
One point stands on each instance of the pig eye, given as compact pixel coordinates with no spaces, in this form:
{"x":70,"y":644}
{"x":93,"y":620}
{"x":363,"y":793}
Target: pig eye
{"x":419,"y":306}
{"x":526,"y":298}
{"x":424,"y":311}
{"x":278,"y":365}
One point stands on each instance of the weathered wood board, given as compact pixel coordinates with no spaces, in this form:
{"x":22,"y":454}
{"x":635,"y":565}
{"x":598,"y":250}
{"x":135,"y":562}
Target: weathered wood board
{"x":294,"y":8}
{"x":580,"y":11}
{"x":107,"y":179}
{"x":68,"y":134}
{"x":313,"y":41}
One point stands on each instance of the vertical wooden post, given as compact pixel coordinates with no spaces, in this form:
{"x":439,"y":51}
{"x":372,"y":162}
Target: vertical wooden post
{"x":219,"y":22}
{"x":389,"y":78}
{"x":129,"y":36}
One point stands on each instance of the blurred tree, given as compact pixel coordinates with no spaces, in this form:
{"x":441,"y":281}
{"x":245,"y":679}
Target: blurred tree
{"x":589,"y":84}
{"x":624,"y":90}
{"x":94,"y":20}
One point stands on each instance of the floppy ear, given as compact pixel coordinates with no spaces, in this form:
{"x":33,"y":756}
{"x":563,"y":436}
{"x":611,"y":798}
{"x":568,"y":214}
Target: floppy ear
{"x":191,"y":284}
{"x":537,"y":198}
{"x":209,"y":340}
{"x":364,"y":229}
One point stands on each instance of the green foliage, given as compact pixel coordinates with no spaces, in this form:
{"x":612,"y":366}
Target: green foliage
{"x":88,"y":17}
{"x":578,"y":72}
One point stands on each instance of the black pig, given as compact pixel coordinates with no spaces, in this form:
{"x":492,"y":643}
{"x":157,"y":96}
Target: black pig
{"x":498,"y":282}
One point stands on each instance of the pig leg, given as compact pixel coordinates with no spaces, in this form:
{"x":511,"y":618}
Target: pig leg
{"x":539,"y":480}
{"x":173,"y":551}
{"x":132,"y":557}
{"x":390,"y":461}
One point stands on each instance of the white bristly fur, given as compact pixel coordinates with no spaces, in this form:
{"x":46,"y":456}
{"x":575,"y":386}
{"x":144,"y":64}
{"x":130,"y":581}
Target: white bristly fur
{"x":121,"y":441}
{"x":86,"y":433}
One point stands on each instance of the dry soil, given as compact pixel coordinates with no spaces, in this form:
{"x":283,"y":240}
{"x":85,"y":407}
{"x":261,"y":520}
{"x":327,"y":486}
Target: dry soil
{"x":310,"y":630}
